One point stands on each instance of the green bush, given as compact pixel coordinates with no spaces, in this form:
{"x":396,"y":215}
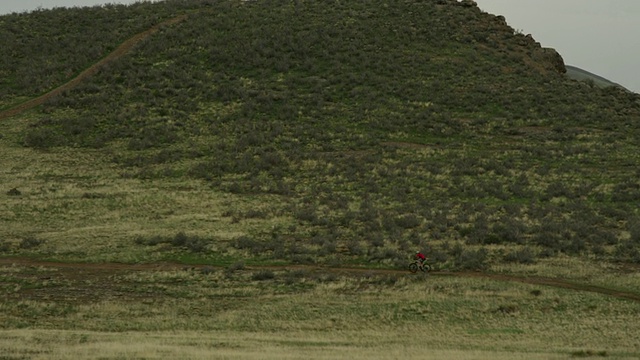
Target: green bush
{"x":408,"y":221}
{"x":523,"y":256}
{"x":5,"y":246}
{"x":30,"y":242}
{"x":471,"y":259}
{"x":263,"y":275}
{"x":42,"y":138}
{"x":181,"y":240}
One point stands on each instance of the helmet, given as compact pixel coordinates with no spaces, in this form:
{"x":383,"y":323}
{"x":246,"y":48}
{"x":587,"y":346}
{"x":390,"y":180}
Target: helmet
{"x":417,"y":252}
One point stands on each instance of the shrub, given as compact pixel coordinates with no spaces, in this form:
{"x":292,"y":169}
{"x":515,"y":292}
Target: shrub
{"x":247,"y":243}
{"x":42,"y":138}
{"x":536,"y":292}
{"x":354,"y":247}
{"x":206,"y":270}
{"x":192,"y":243}
{"x":153,"y":137}
{"x":634,"y":230}
{"x":437,"y":257}
{"x":626,"y":192}
{"x":235,"y":267}
{"x":408,"y":221}
{"x":256,"y":214}
{"x":523,"y":256}
{"x":377,"y":240}
{"x":263,"y":275}
{"x":328,"y":248}
{"x":196,"y":244}
{"x":231,"y":269}
{"x":588,"y":353}
{"x":30,"y":242}
{"x":180,"y":239}
{"x":14,"y":192}
{"x":295,"y":276}
{"x":5,"y":246}
{"x":151,"y":241}
{"x":306,"y":213}
{"x":329,"y":277}
{"x":472,"y":259}
{"x":507,"y":309}
{"x":575,"y":246}
{"x":627,"y":251}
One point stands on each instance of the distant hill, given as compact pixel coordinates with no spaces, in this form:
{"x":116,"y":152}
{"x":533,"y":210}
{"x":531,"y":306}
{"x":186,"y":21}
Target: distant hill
{"x":579,"y":74}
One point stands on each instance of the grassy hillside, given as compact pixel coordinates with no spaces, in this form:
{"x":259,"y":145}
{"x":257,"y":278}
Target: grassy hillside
{"x":45,"y":48}
{"x":320,"y":132}
{"x":258,"y":175}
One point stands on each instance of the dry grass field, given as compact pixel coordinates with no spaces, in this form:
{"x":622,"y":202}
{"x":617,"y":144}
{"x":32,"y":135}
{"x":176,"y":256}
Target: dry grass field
{"x":243,"y":345}
{"x":110,"y":312}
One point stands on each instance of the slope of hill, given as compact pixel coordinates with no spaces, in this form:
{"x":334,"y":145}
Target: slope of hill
{"x":579,"y":74}
{"x":235,"y":179}
{"x":45,"y":48}
{"x":343,"y":133}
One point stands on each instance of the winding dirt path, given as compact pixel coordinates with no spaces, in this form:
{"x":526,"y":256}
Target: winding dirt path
{"x":115,"y":54}
{"x":109,"y":268}
{"x":106,"y":268}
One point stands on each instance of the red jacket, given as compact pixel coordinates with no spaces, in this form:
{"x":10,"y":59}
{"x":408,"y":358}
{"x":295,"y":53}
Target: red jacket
{"x":420,"y":256}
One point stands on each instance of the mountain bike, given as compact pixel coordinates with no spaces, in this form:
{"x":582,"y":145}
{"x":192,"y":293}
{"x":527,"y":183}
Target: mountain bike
{"x":415,"y":266}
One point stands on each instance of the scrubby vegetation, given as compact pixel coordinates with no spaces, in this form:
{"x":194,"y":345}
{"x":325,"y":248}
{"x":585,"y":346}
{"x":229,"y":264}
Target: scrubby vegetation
{"x":251,"y":181}
{"x":379,"y":129}
{"x":203,"y":313}
{"x":45,"y":48}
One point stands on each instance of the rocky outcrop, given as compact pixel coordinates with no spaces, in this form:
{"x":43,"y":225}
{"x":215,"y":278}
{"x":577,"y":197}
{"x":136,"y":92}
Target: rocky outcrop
{"x":467,"y":3}
{"x":552,"y":57}
{"x":463,"y":3}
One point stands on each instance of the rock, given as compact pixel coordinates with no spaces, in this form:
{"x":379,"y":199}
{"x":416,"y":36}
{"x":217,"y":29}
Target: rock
{"x":467,"y":3}
{"x":526,"y":41}
{"x":555,"y":59}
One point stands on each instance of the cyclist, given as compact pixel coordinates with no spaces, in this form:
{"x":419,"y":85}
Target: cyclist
{"x":421,"y":259}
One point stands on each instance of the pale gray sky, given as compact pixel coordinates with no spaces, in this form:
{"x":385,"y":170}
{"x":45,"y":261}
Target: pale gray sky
{"x":9,"y":6}
{"x":600,"y":36}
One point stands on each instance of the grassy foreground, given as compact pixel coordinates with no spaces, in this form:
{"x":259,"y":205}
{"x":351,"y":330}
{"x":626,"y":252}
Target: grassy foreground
{"x":243,"y":345}
{"x":245,"y":313}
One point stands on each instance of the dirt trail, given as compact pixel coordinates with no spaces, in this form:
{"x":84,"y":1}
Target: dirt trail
{"x":108,"y":268}
{"x":115,"y":54}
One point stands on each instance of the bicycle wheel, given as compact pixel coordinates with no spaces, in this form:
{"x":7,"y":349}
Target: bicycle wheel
{"x":426,"y":267}
{"x":413,"y":267}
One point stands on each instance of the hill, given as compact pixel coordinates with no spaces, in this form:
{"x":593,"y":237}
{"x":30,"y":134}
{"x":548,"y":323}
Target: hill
{"x":582,"y":75}
{"x":352,"y":132}
{"x":249,"y":179}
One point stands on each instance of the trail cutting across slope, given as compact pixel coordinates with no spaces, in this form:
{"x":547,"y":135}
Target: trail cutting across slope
{"x":106,"y":269}
{"x":114,"y":55}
